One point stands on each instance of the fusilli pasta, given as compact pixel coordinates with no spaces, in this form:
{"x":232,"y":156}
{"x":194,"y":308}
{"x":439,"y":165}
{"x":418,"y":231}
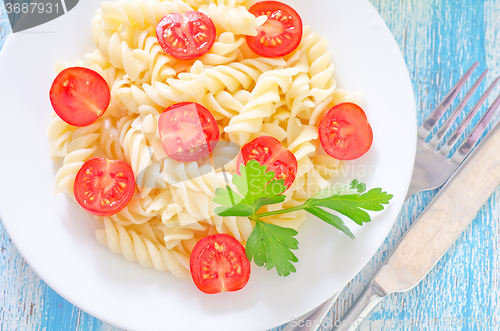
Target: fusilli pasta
{"x":135,"y":246}
{"x":249,"y":96}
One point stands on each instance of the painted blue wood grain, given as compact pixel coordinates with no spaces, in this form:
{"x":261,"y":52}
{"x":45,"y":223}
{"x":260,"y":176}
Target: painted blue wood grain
{"x":4,"y":25}
{"x":439,"y":39}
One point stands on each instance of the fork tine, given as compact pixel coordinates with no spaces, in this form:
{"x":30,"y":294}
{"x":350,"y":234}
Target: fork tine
{"x":437,"y":113}
{"x":451,"y":141}
{"x":476,"y":133}
{"x":449,"y":121}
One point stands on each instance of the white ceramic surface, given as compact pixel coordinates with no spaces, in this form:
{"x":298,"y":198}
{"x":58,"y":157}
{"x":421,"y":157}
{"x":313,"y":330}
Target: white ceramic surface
{"x":57,"y":238}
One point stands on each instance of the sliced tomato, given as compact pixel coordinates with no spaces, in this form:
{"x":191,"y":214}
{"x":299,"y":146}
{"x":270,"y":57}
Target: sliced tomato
{"x":186,"y":36}
{"x":345,"y":133}
{"x":79,"y":96}
{"x":218,"y":263}
{"x":270,"y":152}
{"x":280,"y":34}
{"x":104,"y":187}
{"x":188,"y":131}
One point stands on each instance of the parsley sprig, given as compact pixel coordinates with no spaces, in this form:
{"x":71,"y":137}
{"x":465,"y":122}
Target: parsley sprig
{"x":270,"y":245}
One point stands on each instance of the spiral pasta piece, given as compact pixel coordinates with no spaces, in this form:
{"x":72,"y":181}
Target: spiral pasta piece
{"x":189,"y":86}
{"x":298,"y":97}
{"x":195,"y":4}
{"x":237,"y":20}
{"x":273,"y":130}
{"x":224,"y":104}
{"x":139,"y":144}
{"x":144,"y":13}
{"x":195,"y":194}
{"x":261,"y":104}
{"x":158,"y":62}
{"x":163,"y":206}
{"x":293,"y":220}
{"x":80,"y":149}
{"x":223,"y":158}
{"x":136,"y":212}
{"x":239,"y":75}
{"x":232,"y":3}
{"x":239,"y":227}
{"x":183,"y":227}
{"x":115,"y":47}
{"x":223,"y":51}
{"x":175,"y":235}
{"x":139,"y":248}
{"x":191,"y":175}
{"x":327,"y":166}
{"x":312,"y":57}
{"x":109,"y":139}
{"x":60,"y":136}
{"x":137,"y":52}
{"x":301,"y":138}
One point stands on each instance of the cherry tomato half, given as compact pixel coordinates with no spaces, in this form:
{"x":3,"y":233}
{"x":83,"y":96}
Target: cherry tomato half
{"x":188,"y":131}
{"x":270,"y":152}
{"x":280,"y":34}
{"x":104,"y":187}
{"x":218,"y":263}
{"x":186,"y":36}
{"x":79,"y":96}
{"x":345,"y":133}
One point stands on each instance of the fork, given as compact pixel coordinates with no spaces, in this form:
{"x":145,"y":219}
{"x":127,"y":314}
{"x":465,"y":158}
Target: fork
{"x":431,"y":170}
{"x":432,"y":167}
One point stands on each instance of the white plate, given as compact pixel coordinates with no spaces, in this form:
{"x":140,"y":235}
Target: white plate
{"x":57,"y":239}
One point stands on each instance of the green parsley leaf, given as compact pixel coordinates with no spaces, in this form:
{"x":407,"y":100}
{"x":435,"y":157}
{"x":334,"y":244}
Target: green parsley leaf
{"x":336,"y":190}
{"x":260,"y":184}
{"x":353,"y":205}
{"x":240,"y":209}
{"x":355,"y":185}
{"x":258,"y":187}
{"x":240,"y":181}
{"x":232,"y":203}
{"x":330,"y":219}
{"x":270,"y":245}
{"x":226,"y":197}
{"x":272,"y":194}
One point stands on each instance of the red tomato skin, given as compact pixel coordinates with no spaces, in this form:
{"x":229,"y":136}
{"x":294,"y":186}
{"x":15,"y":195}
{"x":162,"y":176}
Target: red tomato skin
{"x":206,"y":129}
{"x":287,"y":45}
{"x":277,"y":155}
{"x":355,"y":135}
{"x":190,"y":20}
{"x":84,"y":182}
{"x":228,"y":253}
{"x":72,"y":91}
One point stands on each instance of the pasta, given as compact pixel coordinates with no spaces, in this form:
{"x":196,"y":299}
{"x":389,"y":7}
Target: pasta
{"x":249,"y":96}
{"x":81,"y":147}
{"x":60,"y":136}
{"x":261,"y":104}
{"x":224,"y":50}
{"x":143,"y":13}
{"x":145,"y":249}
{"x":237,"y":75}
{"x":234,"y":19}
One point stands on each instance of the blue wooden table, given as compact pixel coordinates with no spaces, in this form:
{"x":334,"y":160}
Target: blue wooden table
{"x":439,"y":40}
